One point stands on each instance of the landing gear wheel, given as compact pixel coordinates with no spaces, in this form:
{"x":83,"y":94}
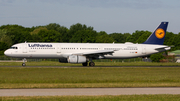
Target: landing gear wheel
{"x":23,"y":64}
{"x":85,"y":64}
{"x":91,"y":64}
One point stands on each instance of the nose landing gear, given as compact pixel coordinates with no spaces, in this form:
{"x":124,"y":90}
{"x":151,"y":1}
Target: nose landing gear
{"x":24,"y":64}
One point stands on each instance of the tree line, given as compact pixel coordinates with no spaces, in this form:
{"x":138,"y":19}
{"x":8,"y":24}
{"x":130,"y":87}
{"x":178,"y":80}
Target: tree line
{"x":77,"y":33}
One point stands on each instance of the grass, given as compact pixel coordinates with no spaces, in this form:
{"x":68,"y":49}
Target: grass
{"x":27,"y":77}
{"x":96,"y":98}
{"x":113,"y":63}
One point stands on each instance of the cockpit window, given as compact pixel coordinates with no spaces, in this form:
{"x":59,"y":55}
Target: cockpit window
{"x":14,"y":48}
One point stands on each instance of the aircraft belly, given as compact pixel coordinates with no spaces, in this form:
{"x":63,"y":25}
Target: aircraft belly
{"x":123,"y":55}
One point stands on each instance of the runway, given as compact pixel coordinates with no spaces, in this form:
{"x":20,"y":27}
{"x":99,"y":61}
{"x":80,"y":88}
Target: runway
{"x":88,"y":91}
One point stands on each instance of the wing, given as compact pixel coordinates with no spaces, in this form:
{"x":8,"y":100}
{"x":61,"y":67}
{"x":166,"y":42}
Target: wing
{"x":96,"y":54}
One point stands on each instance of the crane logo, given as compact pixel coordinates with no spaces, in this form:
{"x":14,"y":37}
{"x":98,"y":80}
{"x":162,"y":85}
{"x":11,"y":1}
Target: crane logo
{"x":160,"y":33}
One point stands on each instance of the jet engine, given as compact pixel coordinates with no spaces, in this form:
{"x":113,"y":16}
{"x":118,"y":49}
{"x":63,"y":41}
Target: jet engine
{"x":76,"y":59}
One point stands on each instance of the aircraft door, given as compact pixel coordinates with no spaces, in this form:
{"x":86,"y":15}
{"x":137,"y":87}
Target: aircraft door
{"x":58,"y":49}
{"x":100,"y":48}
{"x":143,"y":49}
{"x":24,"y":48}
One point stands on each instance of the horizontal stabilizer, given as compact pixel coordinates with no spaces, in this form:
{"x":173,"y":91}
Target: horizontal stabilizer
{"x":163,"y":48}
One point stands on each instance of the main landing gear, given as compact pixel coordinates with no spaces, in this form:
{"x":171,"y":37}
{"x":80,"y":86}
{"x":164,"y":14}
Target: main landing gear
{"x":24,"y":64}
{"x":91,"y":63}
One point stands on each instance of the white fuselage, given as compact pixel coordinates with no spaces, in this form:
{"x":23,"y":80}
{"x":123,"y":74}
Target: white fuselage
{"x":63,"y":50}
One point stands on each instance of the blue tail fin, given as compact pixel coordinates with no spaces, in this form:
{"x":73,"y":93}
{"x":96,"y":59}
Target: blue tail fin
{"x":157,"y":37}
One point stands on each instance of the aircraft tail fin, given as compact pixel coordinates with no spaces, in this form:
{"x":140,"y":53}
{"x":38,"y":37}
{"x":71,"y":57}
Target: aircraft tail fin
{"x":157,"y":37}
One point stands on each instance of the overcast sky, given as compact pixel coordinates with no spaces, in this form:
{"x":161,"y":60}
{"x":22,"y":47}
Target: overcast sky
{"x":119,"y":16}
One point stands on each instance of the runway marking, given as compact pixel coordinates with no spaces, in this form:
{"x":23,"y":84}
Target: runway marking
{"x":88,"y":91}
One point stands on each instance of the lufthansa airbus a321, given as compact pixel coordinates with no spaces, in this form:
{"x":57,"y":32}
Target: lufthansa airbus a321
{"x":86,"y":52}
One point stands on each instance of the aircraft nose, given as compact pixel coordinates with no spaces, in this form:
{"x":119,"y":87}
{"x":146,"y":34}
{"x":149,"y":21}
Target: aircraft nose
{"x":7,"y":53}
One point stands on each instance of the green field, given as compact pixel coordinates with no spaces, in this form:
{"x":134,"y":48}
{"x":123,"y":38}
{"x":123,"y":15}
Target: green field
{"x":113,"y":63}
{"x":97,"y":98}
{"x":76,"y":77}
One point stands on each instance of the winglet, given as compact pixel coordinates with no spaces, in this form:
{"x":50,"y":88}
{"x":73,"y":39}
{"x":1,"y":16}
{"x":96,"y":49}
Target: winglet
{"x":157,"y":37}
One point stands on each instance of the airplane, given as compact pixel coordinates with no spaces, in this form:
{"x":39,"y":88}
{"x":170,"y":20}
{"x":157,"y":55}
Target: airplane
{"x":87,"y":52}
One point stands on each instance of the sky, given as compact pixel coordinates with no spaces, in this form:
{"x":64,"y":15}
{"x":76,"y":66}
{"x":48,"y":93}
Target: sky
{"x":111,"y":16}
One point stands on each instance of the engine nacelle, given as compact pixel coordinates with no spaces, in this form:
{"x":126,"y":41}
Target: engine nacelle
{"x":76,"y":59}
